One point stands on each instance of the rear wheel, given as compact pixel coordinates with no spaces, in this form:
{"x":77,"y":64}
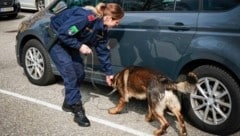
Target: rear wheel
{"x":215,"y":105}
{"x":36,"y":63}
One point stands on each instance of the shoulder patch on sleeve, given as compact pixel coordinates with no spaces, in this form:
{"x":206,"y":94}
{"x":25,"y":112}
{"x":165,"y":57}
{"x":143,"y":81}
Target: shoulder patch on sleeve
{"x":73,"y":30}
{"x":91,"y":17}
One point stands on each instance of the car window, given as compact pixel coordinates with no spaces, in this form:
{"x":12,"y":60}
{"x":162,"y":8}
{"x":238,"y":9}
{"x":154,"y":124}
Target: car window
{"x":80,"y":3}
{"x":186,"y":5}
{"x":110,"y":1}
{"x":60,"y":5}
{"x":160,"y":5}
{"x":134,"y":5}
{"x":148,"y":5}
{"x":63,"y":4}
{"x":219,"y":5}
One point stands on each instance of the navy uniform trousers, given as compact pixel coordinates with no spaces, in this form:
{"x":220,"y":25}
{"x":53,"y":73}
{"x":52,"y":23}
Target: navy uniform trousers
{"x":70,"y":65}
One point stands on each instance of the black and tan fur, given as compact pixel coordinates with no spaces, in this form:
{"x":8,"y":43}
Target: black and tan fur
{"x":142,"y":83}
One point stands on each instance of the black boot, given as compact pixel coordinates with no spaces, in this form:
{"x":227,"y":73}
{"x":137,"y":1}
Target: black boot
{"x":79,"y":113}
{"x":66,"y":107}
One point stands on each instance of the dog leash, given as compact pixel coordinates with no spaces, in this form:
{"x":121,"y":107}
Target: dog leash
{"x":93,"y":83}
{"x":114,"y":90}
{"x":92,"y":71}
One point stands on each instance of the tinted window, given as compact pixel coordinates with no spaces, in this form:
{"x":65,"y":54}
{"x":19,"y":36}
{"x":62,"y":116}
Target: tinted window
{"x":80,"y":3}
{"x":186,"y":5}
{"x":148,"y":5}
{"x":110,"y":1}
{"x":216,"y":5}
{"x":141,"y":5}
{"x":160,"y":5}
{"x":63,"y":4}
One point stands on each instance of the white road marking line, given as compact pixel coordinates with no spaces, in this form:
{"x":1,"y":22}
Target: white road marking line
{"x":56,"y":107}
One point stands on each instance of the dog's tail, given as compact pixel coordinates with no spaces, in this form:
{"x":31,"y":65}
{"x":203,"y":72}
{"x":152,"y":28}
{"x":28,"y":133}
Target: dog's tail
{"x":189,"y":85}
{"x":192,"y":78}
{"x":186,"y":86}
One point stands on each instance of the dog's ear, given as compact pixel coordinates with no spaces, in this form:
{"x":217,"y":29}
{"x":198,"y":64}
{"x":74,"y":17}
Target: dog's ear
{"x":114,"y":80}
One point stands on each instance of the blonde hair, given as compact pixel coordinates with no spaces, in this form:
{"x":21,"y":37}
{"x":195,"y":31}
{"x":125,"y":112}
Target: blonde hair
{"x":110,"y":9}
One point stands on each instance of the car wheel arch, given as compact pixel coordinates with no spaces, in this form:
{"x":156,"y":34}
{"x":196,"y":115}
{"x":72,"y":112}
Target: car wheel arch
{"x":43,"y":74}
{"x":24,"y":40}
{"x":189,"y":62}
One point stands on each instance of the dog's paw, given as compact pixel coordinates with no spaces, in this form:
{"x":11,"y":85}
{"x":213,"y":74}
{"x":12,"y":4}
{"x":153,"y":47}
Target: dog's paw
{"x":148,"y":119}
{"x":113,"y":111}
{"x":159,"y":132}
{"x":183,"y":134}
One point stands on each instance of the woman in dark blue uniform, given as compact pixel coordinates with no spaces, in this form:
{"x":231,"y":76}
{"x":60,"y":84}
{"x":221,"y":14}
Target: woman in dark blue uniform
{"x":78,"y":30}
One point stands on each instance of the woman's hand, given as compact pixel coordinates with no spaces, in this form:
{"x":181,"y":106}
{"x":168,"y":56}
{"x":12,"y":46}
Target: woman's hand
{"x":109,"y":79}
{"x":84,"y":49}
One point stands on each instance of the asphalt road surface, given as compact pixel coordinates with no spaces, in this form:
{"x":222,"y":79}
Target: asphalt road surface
{"x":27,"y":109}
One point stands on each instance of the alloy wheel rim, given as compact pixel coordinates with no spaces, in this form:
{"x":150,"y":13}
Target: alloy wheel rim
{"x":211,"y":102}
{"x":34,"y":63}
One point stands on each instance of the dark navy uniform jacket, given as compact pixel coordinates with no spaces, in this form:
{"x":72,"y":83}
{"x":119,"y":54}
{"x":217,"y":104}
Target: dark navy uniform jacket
{"x":77,"y":26}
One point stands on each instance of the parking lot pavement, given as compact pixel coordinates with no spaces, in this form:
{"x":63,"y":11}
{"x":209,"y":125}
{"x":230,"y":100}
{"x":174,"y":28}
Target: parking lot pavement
{"x":58,"y":108}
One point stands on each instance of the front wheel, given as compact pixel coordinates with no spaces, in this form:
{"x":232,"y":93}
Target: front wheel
{"x":215,"y":105}
{"x":36,"y":63}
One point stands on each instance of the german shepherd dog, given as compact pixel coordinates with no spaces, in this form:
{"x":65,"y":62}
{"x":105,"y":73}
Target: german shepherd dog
{"x":142,"y":83}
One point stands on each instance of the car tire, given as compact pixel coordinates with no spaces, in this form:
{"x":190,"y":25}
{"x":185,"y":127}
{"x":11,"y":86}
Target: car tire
{"x":214,"y":108}
{"x":36,"y":63}
{"x":13,"y":16}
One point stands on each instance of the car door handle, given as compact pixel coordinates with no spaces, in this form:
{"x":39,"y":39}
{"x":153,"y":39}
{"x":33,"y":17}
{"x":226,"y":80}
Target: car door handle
{"x":179,"y":26}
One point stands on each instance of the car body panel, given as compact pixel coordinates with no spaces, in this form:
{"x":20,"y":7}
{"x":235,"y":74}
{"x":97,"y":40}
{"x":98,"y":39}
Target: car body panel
{"x":28,"y":4}
{"x":153,"y":34}
{"x":31,"y":4}
{"x":33,"y":30}
{"x":220,"y":37}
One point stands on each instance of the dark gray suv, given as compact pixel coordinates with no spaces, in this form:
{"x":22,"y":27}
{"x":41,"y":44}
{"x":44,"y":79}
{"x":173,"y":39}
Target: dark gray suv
{"x":172,"y":36}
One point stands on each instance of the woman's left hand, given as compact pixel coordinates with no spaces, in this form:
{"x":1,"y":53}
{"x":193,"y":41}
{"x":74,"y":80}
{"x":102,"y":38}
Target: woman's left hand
{"x":109,"y":79}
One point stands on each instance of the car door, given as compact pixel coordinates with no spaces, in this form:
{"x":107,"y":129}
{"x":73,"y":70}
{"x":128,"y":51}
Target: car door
{"x":153,"y":33}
